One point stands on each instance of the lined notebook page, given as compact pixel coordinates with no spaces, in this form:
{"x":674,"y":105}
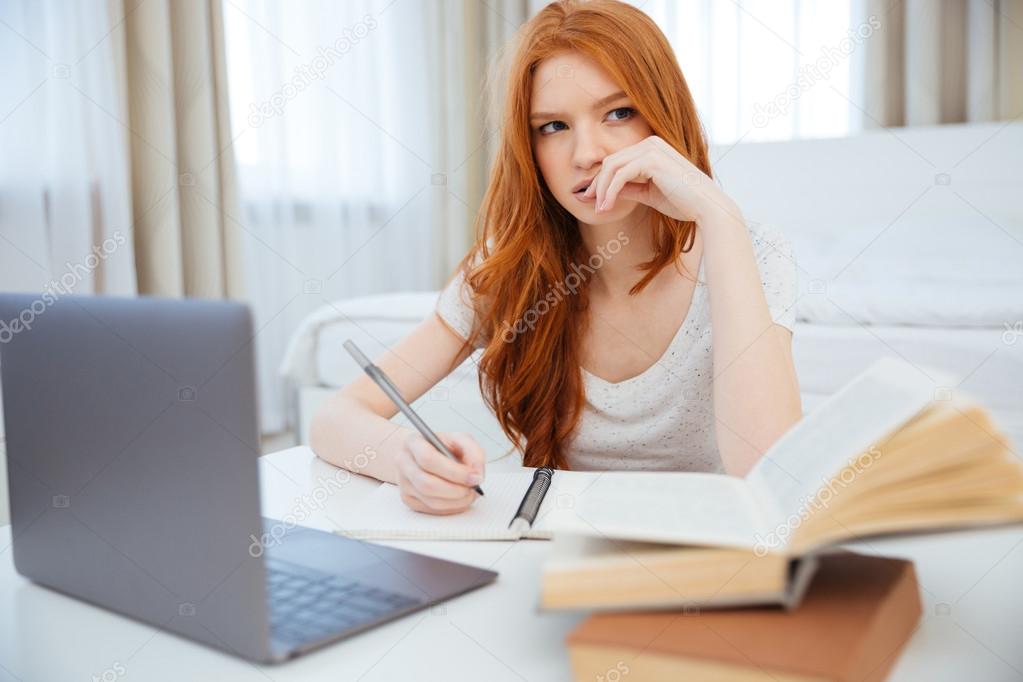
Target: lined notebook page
{"x":384,"y":516}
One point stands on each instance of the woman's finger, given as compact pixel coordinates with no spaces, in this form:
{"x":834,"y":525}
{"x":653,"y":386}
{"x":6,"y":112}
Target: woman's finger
{"x":429,"y":459}
{"x":608,"y":167}
{"x":437,"y":506}
{"x":634,"y":171}
{"x":430,"y":487}
{"x":468,"y":450}
{"x":417,"y":501}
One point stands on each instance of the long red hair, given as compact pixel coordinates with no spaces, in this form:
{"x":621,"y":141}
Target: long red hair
{"x":526,"y":243}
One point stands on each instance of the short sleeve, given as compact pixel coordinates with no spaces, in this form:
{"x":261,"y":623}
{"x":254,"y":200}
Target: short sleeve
{"x":776,"y":262}
{"x":455,"y":307}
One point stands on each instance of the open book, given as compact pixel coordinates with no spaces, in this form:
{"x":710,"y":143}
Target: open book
{"x":887,"y":454}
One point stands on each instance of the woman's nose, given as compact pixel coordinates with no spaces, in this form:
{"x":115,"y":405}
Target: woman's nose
{"x":589,"y":148}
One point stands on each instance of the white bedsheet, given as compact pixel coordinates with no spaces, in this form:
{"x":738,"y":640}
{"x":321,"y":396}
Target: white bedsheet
{"x":916,"y":303}
{"x":988,"y":362}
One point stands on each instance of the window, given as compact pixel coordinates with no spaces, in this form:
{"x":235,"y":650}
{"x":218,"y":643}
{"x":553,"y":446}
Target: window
{"x":765,"y":69}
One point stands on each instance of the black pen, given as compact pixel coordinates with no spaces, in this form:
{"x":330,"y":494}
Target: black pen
{"x":388,"y":387}
{"x":529,"y":507}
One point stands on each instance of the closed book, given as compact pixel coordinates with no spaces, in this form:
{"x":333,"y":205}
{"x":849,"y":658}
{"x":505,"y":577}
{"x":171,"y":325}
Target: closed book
{"x":856,"y":616}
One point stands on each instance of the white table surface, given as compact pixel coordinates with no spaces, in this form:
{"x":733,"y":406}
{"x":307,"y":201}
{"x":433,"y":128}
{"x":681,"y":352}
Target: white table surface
{"x":971,"y":628}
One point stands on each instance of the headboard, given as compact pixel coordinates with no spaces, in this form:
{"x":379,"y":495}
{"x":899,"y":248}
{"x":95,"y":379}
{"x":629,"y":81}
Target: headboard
{"x":821,"y":190}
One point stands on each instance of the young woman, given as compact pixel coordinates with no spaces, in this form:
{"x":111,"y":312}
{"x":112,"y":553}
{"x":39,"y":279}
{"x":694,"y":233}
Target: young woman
{"x":629,"y":317}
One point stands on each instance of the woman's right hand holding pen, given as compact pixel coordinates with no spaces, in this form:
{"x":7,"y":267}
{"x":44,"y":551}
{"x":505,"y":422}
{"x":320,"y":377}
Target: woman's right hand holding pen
{"x":434,"y":484}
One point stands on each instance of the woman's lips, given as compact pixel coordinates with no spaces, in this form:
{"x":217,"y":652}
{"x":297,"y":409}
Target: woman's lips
{"x":581,"y":196}
{"x":582,"y":186}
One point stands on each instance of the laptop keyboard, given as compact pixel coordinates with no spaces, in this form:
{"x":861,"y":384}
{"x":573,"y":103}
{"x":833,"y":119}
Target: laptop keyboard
{"x":307,"y":605}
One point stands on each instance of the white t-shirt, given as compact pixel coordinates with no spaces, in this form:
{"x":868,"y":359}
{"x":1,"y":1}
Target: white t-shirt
{"x":663,"y":418}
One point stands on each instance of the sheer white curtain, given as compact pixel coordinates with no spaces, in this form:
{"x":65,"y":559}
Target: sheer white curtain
{"x":341,"y":116}
{"x":766,"y":69}
{"x":64,"y":185}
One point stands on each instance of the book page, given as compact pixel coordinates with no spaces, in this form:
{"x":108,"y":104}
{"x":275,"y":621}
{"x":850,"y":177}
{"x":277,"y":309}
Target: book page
{"x":654,"y":506}
{"x":842,"y":428}
{"x":383,"y":515}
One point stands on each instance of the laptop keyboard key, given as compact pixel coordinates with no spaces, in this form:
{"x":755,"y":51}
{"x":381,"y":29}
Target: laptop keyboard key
{"x":306,"y":606}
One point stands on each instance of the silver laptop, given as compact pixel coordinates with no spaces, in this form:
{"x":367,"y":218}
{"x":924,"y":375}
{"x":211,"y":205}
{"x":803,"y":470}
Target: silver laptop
{"x":132,"y":445}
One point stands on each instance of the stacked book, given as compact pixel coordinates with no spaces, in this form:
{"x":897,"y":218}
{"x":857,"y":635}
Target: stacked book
{"x":765,"y":592}
{"x":851,"y":625}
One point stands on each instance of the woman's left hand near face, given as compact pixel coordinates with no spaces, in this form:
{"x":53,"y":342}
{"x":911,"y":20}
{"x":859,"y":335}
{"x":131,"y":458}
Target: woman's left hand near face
{"x":654,"y":173}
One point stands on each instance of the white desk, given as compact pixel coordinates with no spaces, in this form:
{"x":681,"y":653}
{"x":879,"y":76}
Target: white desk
{"x":971,"y":627}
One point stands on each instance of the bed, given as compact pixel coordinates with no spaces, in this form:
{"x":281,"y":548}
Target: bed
{"x":909,"y":242}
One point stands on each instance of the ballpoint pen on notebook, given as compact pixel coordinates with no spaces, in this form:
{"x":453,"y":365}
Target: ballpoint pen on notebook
{"x":392,"y":392}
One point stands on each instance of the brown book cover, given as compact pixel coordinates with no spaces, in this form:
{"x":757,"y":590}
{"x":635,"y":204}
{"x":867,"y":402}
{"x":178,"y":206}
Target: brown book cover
{"x":854,"y":620}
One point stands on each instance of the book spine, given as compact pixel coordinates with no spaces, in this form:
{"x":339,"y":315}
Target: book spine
{"x":801,"y":572}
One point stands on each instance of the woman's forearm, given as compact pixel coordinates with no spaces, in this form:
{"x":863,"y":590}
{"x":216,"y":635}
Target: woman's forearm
{"x":347,"y":434}
{"x":756,"y":393}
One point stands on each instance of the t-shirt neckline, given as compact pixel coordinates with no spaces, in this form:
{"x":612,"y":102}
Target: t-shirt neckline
{"x":695,"y":306}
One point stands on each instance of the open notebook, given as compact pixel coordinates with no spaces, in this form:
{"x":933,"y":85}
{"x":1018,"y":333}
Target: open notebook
{"x":384,"y":516}
{"x":706,"y":508}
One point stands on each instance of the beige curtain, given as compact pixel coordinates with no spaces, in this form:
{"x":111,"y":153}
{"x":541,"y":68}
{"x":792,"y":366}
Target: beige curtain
{"x":943,"y":61}
{"x":468,"y":70}
{"x":184,"y":201}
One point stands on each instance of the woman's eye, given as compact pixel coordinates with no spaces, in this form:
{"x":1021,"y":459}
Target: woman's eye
{"x":540,"y":129}
{"x":630,"y":113}
{"x":628,"y":109}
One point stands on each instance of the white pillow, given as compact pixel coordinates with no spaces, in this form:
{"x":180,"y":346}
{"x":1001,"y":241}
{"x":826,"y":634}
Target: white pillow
{"x":927,"y":269}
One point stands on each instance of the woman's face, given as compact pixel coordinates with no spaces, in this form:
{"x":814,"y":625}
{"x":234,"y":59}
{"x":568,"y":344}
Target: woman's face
{"x":578,"y":116}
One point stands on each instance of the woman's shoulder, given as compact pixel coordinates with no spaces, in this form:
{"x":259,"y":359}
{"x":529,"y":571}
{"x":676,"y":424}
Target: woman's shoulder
{"x":456,"y":303}
{"x":776,"y":262}
{"x":457,"y":280}
{"x":767,"y":238}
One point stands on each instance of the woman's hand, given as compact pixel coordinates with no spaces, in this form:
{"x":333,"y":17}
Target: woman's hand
{"x":654,"y":173}
{"x":430,"y":482}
